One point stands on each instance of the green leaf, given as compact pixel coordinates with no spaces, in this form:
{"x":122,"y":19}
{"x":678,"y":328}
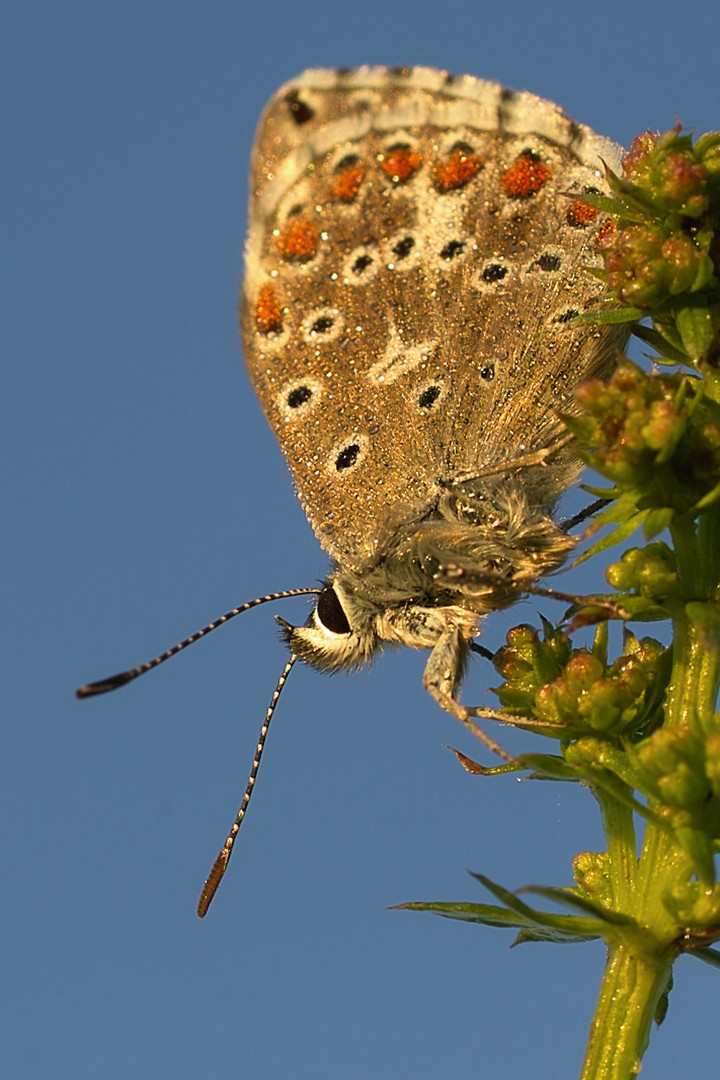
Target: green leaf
{"x":709,"y":499}
{"x":573,"y":899}
{"x":568,"y":924}
{"x":624,"y":514}
{"x":602,"y":202}
{"x":658,"y":519}
{"x":699,"y":847}
{"x":663,"y":1001}
{"x":487,"y":914}
{"x":550,"y":767}
{"x":662,"y":345}
{"x":609,"y":316}
{"x":558,"y":929}
{"x":708,"y":955}
{"x":553,"y":937}
{"x":696,"y":330}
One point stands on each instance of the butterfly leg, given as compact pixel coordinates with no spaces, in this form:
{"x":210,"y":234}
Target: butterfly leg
{"x":442,"y":677}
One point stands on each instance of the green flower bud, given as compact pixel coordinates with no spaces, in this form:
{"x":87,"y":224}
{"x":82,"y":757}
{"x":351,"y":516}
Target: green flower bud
{"x":673,"y":763}
{"x":683,"y":184}
{"x":693,"y":903}
{"x":685,"y":265}
{"x":658,"y":435}
{"x":707,"y":152}
{"x":587,"y":752}
{"x":635,"y":265}
{"x":650,"y":572}
{"x":591,"y":874}
{"x":646,"y":651}
{"x":664,"y":426}
{"x":637,"y":162}
{"x":683,"y":787}
{"x":526,"y":662}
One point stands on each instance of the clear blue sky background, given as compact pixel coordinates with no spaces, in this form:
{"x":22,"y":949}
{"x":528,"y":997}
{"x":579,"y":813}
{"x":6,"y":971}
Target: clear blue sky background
{"x":145,"y":495}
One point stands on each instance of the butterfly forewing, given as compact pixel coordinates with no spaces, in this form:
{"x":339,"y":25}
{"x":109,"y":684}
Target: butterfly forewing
{"x":417,"y":251}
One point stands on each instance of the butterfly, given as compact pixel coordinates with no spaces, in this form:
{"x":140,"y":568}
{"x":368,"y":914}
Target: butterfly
{"x":418,"y":250}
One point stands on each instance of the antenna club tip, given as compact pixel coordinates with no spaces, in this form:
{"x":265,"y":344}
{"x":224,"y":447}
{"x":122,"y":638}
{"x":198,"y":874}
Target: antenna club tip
{"x":105,"y":685}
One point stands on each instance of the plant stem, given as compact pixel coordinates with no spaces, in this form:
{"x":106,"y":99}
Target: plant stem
{"x":640,"y":960}
{"x":692,"y":694}
{"x":636,"y":976}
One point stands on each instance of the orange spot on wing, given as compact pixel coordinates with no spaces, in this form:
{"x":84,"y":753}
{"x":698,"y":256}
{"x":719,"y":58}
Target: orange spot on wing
{"x":347,"y":183}
{"x":606,"y":229}
{"x":458,"y":168}
{"x":268,"y":316}
{"x":525,"y":176}
{"x":400,"y":163}
{"x":299,"y":240}
{"x":580,"y":214}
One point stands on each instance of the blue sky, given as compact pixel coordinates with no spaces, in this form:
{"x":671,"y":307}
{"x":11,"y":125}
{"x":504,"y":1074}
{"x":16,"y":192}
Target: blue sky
{"x":146,"y":495}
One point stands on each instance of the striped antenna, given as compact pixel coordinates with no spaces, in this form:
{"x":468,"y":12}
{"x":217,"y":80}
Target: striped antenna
{"x":103,"y":686}
{"x":220,"y":865}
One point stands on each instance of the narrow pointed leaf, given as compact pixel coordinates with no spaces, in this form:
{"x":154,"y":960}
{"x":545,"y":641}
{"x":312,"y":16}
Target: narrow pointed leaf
{"x":561,"y":929}
{"x":709,"y":956}
{"x":661,"y":344}
{"x":555,"y":937}
{"x":550,"y":767}
{"x":487,"y":914}
{"x":564,"y":923}
{"x":571,"y":899}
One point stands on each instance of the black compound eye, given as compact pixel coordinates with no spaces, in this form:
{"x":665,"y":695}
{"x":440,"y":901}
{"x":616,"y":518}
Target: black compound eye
{"x":300,"y":111}
{"x":330,"y":612}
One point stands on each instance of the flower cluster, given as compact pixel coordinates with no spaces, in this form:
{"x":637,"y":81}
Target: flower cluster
{"x":657,"y":436}
{"x":663,"y":258}
{"x":570,"y":692}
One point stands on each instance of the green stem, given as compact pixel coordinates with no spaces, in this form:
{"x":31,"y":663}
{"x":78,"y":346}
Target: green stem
{"x":693,"y":690}
{"x":640,"y":960}
{"x":694,"y":683}
{"x":635,"y":979}
{"x":619,"y":829}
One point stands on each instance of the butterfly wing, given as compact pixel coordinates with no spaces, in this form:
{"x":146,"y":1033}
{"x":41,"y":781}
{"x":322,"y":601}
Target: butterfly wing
{"x":417,"y":249}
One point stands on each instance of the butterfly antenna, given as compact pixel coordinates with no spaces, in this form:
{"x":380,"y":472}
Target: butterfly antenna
{"x":487,"y":654}
{"x":583,"y":515}
{"x":220,"y":865}
{"x":115,"y":681}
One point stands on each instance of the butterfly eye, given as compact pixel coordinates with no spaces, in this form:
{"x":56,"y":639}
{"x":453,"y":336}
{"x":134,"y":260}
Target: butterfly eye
{"x":330,"y":612}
